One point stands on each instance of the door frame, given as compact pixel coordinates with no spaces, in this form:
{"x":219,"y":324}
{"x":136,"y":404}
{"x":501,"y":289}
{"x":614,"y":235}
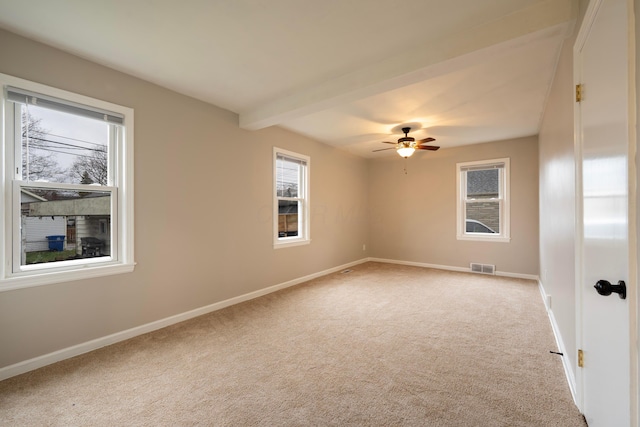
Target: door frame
{"x":634,"y":195}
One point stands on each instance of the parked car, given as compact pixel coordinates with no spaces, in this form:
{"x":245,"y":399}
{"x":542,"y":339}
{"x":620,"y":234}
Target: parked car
{"x":474,"y":226}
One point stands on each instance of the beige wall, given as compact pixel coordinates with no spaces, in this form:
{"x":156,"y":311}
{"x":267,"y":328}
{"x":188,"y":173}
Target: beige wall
{"x":204,"y":211}
{"x":203,"y":228}
{"x":413,"y":215}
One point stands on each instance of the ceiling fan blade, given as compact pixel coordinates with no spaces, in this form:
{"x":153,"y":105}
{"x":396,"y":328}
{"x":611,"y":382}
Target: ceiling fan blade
{"x":383,"y":149}
{"x":427,"y":147}
{"x":424,"y":141}
{"x":387,"y":142}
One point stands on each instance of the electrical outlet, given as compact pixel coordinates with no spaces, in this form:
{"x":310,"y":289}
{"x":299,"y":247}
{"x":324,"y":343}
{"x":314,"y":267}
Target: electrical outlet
{"x":364,"y":247}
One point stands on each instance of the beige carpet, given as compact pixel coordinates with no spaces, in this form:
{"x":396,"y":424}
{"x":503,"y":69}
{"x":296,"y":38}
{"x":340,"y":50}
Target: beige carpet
{"x":384,"y":345}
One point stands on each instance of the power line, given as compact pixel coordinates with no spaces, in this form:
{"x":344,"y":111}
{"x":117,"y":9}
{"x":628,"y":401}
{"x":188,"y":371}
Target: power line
{"x":75,"y":147}
{"x":53,"y":150}
{"x":79,"y":140}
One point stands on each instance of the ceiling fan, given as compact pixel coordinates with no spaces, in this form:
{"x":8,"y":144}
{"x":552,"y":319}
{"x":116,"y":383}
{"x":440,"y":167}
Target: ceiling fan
{"x":407,"y":145}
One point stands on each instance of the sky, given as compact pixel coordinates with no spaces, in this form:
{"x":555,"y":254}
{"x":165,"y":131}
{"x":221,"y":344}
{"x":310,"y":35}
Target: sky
{"x":69,"y":135}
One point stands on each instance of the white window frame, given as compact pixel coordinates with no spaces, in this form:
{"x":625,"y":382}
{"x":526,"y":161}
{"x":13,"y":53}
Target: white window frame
{"x":303,"y":237}
{"x":503,"y":200}
{"x":13,"y":275}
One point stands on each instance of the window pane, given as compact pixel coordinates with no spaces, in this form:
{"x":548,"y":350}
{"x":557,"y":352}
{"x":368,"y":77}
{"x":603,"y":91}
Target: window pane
{"x":58,"y":225}
{"x":287,"y":178}
{"x":483,"y":217}
{"x":483,"y":184}
{"x":63,"y":147}
{"x":287,"y":218}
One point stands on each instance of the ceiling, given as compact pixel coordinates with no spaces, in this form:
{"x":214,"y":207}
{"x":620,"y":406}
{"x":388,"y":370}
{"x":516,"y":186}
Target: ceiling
{"x":347,"y":73}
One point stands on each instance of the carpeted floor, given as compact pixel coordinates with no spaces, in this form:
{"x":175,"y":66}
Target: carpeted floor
{"x":383,"y":345}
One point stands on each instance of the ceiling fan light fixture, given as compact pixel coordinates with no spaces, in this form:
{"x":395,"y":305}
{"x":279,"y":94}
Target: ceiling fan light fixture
{"x":407,"y":145}
{"x":405,"y":151}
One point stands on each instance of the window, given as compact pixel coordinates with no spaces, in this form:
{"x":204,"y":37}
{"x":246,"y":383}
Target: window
{"x":483,"y":200}
{"x":67,"y":186}
{"x":291,"y":198}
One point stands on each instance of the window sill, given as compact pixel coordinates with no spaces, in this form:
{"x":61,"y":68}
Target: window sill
{"x":500,"y":239}
{"x":32,"y":279}
{"x":290,"y":243}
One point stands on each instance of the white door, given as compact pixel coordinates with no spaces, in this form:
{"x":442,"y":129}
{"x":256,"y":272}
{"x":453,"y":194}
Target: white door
{"x":602,"y":118}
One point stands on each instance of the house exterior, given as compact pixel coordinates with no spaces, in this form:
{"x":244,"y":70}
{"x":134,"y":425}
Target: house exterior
{"x":36,"y":228}
{"x":74,"y":218}
{"x":483,"y":184}
{"x":90,"y":216}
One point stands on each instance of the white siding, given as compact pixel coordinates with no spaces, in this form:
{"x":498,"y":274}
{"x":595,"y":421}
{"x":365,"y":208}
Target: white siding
{"x":38,"y":228}
{"x":89,"y":226}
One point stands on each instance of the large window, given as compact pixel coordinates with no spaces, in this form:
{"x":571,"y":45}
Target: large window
{"x":291,"y":198}
{"x":67,"y":186}
{"x":483,"y":200}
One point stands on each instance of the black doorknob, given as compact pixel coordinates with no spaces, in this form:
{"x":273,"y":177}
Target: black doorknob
{"x":605,"y":288}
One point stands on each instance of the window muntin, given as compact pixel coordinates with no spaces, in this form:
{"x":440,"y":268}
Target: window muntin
{"x":483,"y":200}
{"x":291,"y":205}
{"x":67,"y":187}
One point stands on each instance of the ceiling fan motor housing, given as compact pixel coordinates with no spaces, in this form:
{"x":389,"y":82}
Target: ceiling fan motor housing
{"x":406,"y":140}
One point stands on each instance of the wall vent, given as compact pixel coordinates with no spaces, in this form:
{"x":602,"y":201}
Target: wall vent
{"x":483,"y":268}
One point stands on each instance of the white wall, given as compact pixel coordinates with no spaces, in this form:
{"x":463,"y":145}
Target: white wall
{"x":558,"y":198}
{"x":557,"y":202}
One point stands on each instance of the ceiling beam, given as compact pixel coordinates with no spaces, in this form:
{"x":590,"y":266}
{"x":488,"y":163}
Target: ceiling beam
{"x":544,"y":19}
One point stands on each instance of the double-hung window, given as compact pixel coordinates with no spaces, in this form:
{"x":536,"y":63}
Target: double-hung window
{"x":483,"y":200}
{"x":67,"y":186}
{"x":291,"y":198}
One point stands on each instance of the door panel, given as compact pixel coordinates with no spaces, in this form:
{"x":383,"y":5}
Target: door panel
{"x":602,"y":58}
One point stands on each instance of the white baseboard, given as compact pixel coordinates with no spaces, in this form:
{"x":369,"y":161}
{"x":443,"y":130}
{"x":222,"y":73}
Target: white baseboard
{"x":453,"y":268}
{"x":566,"y":360}
{"x":76,"y":350}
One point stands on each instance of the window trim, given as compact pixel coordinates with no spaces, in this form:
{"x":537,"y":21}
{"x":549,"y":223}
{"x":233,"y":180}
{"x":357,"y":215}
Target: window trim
{"x":505,"y":210}
{"x":123,"y":191}
{"x":304,"y":229}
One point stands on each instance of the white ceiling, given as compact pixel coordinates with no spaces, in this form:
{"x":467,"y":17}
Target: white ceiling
{"x":349,"y":73}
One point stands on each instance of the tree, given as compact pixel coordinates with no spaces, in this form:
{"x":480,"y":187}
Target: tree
{"x":91,"y":168}
{"x":37,"y":161}
{"x":86,"y":179}
{"x":40,"y":162}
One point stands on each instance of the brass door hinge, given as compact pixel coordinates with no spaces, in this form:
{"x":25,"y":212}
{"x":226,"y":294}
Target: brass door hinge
{"x":580,"y":359}
{"x":578,"y":93}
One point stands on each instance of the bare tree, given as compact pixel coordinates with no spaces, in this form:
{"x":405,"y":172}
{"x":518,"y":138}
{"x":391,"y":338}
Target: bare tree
{"x":91,"y":168}
{"x":38,"y":162}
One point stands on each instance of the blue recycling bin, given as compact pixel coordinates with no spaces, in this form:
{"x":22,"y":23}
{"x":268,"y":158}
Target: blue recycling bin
{"x":56,"y":243}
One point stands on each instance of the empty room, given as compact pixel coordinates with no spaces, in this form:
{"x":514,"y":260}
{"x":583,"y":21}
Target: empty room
{"x":237,"y":213}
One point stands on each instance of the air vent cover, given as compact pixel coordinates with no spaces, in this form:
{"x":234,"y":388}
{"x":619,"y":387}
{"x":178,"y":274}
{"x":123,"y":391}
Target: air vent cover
{"x":483,"y":268}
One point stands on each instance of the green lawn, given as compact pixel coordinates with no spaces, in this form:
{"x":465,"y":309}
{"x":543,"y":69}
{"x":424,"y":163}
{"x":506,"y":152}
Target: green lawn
{"x":48,"y":256}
